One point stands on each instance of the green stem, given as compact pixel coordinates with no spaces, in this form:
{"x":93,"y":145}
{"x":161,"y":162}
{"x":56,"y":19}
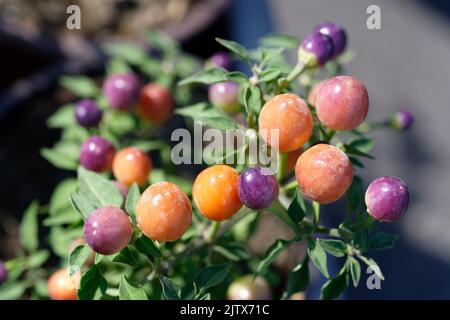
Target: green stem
{"x":316,"y":214}
{"x":282,"y":156}
{"x":290,"y":186}
{"x":215,"y":227}
{"x":296,"y":72}
{"x":158,"y":260}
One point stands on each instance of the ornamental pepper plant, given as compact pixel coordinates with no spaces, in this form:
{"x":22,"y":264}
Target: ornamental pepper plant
{"x":130,"y":223}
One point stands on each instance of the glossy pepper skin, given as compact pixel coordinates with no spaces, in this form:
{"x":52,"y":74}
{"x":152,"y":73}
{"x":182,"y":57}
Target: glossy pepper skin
{"x":324,"y":173}
{"x":121,"y":90}
{"x":219,"y":60}
{"x":402,"y":120}
{"x":337,"y":35}
{"x":96,"y":154}
{"x":215,"y":192}
{"x":164,"y":212}
{"x":225,"y":96}
{"x":315,"y":50}
{"x":107,"y":230}
{"x":87,"y":113}
{"x":387,"y":198}
{"x":257,"y":187}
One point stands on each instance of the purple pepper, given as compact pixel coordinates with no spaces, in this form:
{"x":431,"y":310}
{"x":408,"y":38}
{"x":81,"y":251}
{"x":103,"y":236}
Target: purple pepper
{"x":87,"y":113}
{"x":107,"y":230}
{"x":402,"y":120}
{"x":387,"y":198}
{"x":3,"y":272}
{"x":219,"y":60}
{"x":316,"y":50}
{"x":96,"y":154}
{"x":337,"y":35}
{"x":122,"y":90}
{"x":257,"y":187}
{"x":225,"y":96}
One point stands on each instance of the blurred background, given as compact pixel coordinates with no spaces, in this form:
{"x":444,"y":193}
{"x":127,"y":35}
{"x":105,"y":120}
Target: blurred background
{"x":405,"y":64}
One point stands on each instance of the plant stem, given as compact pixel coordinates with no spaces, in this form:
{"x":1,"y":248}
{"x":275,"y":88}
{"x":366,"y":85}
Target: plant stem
{"x":159,"y":259}
{"x":316,"y":214}
{"x":282,"y":156}
{"x":213,"y":232}
{"x":296,"y":72}
{"x":290,"y":186}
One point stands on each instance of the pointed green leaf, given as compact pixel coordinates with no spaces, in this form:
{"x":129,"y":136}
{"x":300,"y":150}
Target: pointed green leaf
{"x":130,"y":292}
{"x":318,"y":257}
{"x":211,"y":276}
{"x":334,"y":247}
{"x":132,"y":198}
{"x":355,"y":271}
{"x":170,"y":290}
{"x":92,"y":284}
{"x":147,"y":247}
{"x":29,"y":227}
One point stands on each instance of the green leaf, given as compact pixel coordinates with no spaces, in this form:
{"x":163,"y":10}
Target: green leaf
{"x":233,"y":252}
{"x":299,"y":278}
{"x":92,"y":284}
{"x":211,"y":276}
{"x":235,"y":48}
{"x":362,"y":144}
{"x":271,"y":254}
{"x":82,"y":86}
{"x":147,"y":145}
{"x":28,"y":228}
{"x":355,"y":161}
{"x":361,"y":239}
{"x":78,"y":257}
{"x":81,"y":204}
{"x":382,"y":241}
{"x":208,"y":116}
{"x":129,"y":255}
{"x":12,"y":290}
{"x":132,"y":198}
{"x":334,"y":247}
{"x":161,"y":41}
{"x":61,"y":238}
{"x":117,"y":65}
{"x":130,"y":292}
{"x":60,"y":197}
{"x":120,"y":123}
{"x":237,"y":76}
{"x":355,"y":271}
{"x":251,"y":98}
{"x":270,"y":74}
{"x":355,"y":151}
{"x":296,"y":210}
{"x":280,"y":40}
{"x":101,"y":192}
{"x":170,"y":290}
{"x":37,"y":259}
{"x":57,"y":157}
{"x":281,"y":213}
{"x":63,"y":216}
{"x":208,"y":76}
{"x":318,"y":257}
{"x":63,"y":117}
{"x":355,"y":194}
{"x":335,"y":287}
{"x":147,"y":247}
{"x":128,"y":52}
{"x":373,"y":265}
